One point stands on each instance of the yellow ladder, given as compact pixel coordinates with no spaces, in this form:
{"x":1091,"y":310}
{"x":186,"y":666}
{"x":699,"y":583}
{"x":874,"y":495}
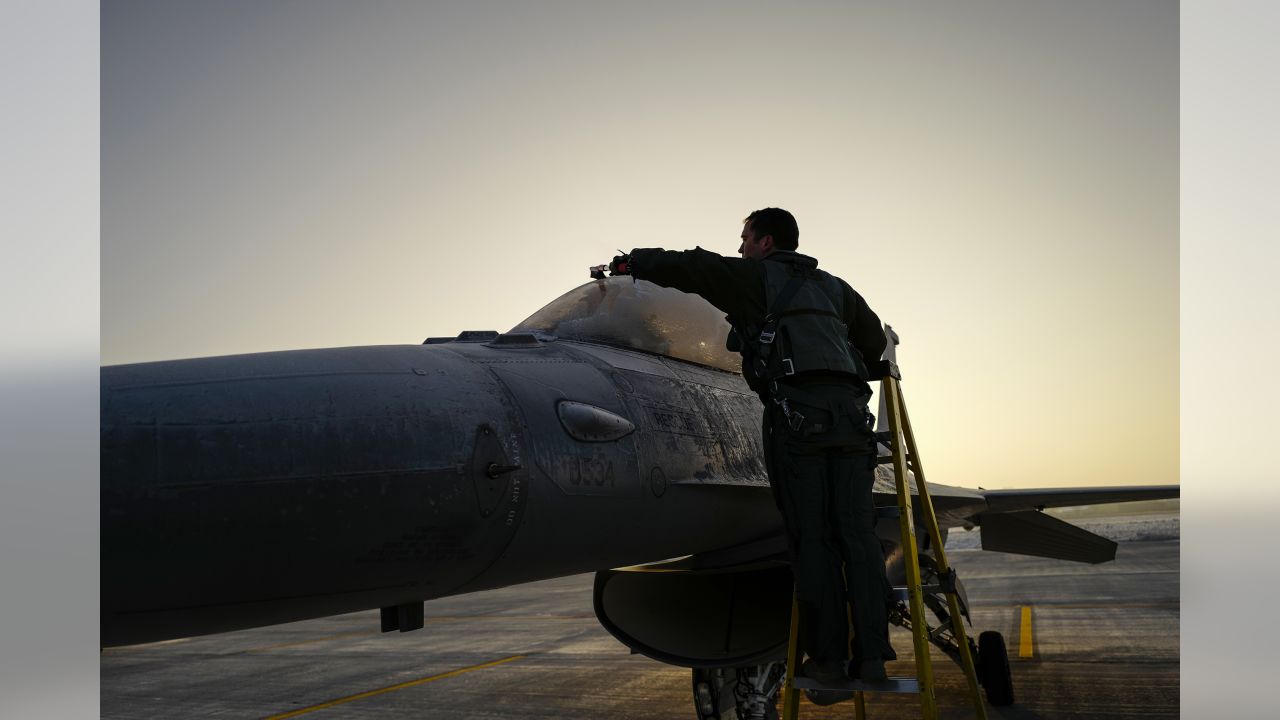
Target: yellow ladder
{"x":905,"y":455}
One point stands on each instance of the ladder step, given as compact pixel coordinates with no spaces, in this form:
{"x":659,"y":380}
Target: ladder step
{"x":892,"y":685}
{"x":888,"y":460}
{"x":888,"y":511}
{"x":900,"y":591}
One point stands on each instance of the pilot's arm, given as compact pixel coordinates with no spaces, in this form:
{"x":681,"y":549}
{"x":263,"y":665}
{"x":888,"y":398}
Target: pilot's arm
{"x":718,"y":279}
{"x":865,"y":331}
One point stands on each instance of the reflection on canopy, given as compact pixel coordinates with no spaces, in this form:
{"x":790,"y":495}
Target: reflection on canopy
{"x":640,"y":315}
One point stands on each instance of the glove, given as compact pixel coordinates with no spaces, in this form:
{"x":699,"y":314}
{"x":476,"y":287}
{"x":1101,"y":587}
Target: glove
{"x":621,"y":265}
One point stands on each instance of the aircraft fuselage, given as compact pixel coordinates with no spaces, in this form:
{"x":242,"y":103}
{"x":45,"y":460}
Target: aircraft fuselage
{"x":248,"y":490}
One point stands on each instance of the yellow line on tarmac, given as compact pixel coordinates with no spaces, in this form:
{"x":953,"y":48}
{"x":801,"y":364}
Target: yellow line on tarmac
{"x":1024,"y":637}
{"x":268,"y":648}
{"x":399,"y":686}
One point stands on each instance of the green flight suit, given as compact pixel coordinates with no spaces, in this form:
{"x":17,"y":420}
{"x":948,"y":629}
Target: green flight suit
{"x":822,"y":470}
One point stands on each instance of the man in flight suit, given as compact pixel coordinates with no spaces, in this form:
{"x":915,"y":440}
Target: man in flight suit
{"x":805,"y":337}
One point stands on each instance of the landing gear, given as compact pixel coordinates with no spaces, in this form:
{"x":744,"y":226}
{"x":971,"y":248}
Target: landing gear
{"x":990,"y":658}
{"x":940,"y":635}
{"x":993,"y":669}
{"x":744,"y":693}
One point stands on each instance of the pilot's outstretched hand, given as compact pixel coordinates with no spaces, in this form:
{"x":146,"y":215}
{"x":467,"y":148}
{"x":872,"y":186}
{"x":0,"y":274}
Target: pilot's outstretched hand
{"x":621,"y":265}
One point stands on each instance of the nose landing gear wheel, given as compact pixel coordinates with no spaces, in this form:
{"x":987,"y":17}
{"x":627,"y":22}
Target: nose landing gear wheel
{"x":745,"y":693}
{"x":993,"y":669}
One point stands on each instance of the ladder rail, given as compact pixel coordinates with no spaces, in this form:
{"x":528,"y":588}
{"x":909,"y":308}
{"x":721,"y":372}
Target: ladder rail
{"x":939,"y":554}
{"x":910,"y":551}
{"x":790,"y":693}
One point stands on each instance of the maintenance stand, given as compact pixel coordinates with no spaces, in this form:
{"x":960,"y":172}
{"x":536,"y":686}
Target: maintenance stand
{"x":904,"y":457}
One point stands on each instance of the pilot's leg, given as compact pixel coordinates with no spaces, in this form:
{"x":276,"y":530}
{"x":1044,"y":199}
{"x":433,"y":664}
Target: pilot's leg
{"x":815,"y":561}
{"x":855,"y":520}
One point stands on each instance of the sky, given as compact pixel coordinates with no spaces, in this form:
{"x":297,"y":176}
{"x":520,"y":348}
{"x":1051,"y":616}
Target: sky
{"x":998,"y":179}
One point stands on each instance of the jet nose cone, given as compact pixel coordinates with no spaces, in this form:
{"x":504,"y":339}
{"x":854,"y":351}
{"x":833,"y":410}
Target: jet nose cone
{"x":287,"y":485}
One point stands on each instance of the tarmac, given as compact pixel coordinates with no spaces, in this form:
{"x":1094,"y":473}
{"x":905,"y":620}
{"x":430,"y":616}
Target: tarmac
{"x":1085,"y":641}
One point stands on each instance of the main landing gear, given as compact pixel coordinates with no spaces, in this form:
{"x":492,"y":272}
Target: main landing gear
{"x":993,"y":669}
{"x":991,"y":660}
{"x":743,"y":693}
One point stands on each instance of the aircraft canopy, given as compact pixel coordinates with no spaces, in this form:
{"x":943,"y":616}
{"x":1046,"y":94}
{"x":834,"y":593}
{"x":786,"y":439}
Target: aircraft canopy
{"x":642,"y":316}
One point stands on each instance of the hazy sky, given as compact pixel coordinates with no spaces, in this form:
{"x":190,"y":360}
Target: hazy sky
{"x":998,"y":179}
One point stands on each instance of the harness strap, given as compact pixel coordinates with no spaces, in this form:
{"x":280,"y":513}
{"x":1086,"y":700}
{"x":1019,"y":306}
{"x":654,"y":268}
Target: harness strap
{"x":780,"y":304}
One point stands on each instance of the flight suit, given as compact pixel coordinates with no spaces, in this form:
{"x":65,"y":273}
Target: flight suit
{"x":819,"y":450}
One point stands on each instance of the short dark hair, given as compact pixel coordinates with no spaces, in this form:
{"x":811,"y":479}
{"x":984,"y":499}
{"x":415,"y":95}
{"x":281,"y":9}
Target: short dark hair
{"x":776,"y":222}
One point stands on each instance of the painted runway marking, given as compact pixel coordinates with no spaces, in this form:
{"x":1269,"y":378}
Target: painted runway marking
{"x":1024,"y":639}
{"x":398,"y":686}
{"x":268,"y":648}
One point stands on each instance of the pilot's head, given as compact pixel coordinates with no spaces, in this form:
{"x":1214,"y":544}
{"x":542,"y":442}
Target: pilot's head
{"x":767,"y":230}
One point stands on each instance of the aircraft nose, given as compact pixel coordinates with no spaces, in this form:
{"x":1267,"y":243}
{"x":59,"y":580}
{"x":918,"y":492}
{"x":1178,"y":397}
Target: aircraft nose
{"x":287,"y":485}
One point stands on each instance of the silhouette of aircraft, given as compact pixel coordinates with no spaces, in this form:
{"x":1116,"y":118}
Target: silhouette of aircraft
{"x":610,"y":432}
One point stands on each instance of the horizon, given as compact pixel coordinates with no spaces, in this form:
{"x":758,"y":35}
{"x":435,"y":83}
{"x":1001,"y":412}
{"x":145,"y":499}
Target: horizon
{"x":999,"y":182}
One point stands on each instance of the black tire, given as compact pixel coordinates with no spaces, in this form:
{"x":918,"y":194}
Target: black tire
{"x":993,"y":669}
{"x":714,"y":684}
{"x":709,"y":695}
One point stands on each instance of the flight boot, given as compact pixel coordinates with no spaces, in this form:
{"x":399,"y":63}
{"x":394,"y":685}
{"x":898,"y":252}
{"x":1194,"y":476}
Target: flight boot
{"x":827,"y":673}
{"x":871,"y":671}
{"x":831,"y":673}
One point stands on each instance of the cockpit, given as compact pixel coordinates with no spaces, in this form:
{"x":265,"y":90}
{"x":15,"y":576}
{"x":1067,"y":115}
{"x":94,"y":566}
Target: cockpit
{"x":639,"y":315}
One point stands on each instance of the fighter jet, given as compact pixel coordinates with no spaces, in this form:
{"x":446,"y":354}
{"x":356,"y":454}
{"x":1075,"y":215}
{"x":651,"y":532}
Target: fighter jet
{"x":609,"y":432}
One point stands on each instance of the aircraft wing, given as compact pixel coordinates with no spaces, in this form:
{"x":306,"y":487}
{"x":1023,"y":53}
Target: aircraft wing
{"x":1013,"y":522}
{"x":999,"y":501}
